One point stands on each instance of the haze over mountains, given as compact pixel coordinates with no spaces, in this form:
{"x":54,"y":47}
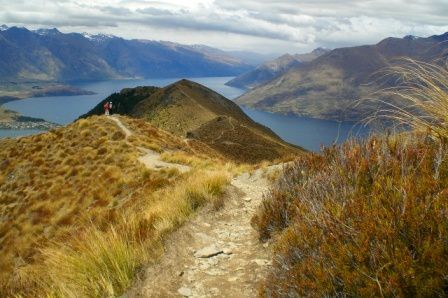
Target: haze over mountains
{"x":49,"y":55}
{"x":273,"y":68}
{"x":329,"y":86}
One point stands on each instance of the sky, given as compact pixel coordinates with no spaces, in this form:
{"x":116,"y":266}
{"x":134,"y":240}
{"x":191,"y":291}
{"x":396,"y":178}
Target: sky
{"x":264,"y":26}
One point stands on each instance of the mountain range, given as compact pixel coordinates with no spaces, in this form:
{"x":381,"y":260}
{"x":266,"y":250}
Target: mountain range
{"x":50,"y":55}
{"x":330,"y":86}
{"x":273,"y":68}
{"x":190,"y":110}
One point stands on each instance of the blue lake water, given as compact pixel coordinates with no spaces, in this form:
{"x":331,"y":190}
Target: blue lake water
{"x":306,"y":132}
{"x":12,"y":133}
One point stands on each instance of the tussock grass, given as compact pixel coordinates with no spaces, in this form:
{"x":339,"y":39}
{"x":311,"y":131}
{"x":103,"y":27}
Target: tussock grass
{"x":82,"y":214}
{"x":181,"y":157}
{"x":419,"y":98}
{"x":98,"y":264}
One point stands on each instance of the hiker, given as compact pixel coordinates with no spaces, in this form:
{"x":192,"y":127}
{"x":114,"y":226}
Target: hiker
{"x":106,"y":108}
{"x":110,"y":106}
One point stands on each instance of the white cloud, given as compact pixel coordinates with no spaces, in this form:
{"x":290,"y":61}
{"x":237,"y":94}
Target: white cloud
{"x":261,"y":25}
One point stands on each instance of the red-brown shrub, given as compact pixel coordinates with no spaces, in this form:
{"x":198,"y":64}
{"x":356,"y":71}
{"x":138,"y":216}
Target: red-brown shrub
{"x":367,"y":219}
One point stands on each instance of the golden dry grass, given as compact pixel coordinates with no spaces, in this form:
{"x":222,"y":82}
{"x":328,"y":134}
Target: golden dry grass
{"x":418,"y":100}
{"x":80,"y":214}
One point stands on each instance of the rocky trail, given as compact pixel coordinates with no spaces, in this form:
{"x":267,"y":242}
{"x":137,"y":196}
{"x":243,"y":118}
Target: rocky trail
{"x":150,"y":158}
{"x":215,"y":254}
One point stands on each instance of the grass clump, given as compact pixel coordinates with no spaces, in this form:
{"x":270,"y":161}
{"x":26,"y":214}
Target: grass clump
{"x":100,"y":264}
{"x":418,"y":99}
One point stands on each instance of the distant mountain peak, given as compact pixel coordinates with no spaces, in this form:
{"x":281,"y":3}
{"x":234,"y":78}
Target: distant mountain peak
{"x":330,"y":87}
{"x":320,"y":51}
{"x":44,"y":32}
{"x":411,"y":37}
{"x":98,"y":37}
{"x":273,"y":68}
{"x":441,"y":37}
{"x":49,"y":54}
{"x":3,"y":27}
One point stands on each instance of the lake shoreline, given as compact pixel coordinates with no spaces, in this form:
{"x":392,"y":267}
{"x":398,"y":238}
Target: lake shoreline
{"x":12,"y":91}
{"x":304,"y":132}
{"x":27,"y":125}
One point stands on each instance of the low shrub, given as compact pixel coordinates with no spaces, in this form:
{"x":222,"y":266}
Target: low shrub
{"x":367,"y":219}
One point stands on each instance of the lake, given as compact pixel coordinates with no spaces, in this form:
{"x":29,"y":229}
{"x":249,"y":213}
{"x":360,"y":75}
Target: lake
{"x":306,"y":132}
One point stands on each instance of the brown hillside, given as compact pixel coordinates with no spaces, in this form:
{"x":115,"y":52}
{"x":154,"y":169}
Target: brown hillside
{"x":190,"y":110}
{"x":330,"y":86}
{"x":56,"y":185}
{"x":272,"y":69}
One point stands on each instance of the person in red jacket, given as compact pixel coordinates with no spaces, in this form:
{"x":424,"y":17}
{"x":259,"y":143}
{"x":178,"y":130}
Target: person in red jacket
{"x":106,"y":108}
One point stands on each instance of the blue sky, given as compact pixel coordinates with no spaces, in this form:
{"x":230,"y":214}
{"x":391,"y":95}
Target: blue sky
{"x":265,"y":26}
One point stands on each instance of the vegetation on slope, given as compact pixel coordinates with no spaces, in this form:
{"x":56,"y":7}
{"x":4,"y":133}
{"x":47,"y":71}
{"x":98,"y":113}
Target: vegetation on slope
{"x":330,"y":86}
{"x":190,"y":110}
{"x":80,"y":214}
{"x":368,"y":218}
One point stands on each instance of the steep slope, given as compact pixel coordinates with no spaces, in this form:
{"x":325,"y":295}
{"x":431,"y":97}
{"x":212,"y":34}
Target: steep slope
{"x":50,"y":55}
{"x":272,"y":69}
{"x":190,"y":110}
{"x":94,"y":178}
{"x":341,"y":203}
{"x":329,"y":86}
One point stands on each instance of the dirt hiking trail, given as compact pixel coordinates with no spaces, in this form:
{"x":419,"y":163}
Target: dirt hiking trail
{"x":217,"y":253}
{"x":151,"y":159}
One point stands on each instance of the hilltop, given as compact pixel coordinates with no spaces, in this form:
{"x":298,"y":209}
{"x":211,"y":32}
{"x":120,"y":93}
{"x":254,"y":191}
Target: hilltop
{"x":272,"y":69}
{"x":65,"y":193}
{"x":190,"y":110}
{"x":329,"y":86}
